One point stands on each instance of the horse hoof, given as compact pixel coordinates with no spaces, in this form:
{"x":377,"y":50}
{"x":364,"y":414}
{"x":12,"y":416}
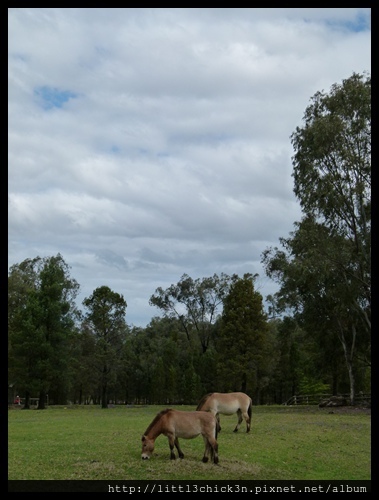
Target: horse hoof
{"x":205,"y":459}
{"x":181,"y":456}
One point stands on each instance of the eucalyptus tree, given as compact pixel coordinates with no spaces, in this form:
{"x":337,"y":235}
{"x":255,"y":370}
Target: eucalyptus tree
{"x":325,"y":267}
{"x":41,"y":322}
{"x":196,"y":303}
{"x":105,"y":317}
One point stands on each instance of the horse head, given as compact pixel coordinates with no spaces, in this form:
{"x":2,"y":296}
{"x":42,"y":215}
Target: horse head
{"x":147,"y":447}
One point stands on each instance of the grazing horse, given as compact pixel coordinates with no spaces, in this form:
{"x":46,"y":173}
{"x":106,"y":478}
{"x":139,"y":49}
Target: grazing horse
{"x":227,"y":404}
{"x":182,"y":424}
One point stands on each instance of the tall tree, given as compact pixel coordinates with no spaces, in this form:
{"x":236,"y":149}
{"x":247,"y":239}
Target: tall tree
{"x":41,"y":316}
{"x":243,"y":348}
{"x":332,"y":174}
{"x":196,"y":303}
{"x":84,"y":377}
{"x":326,"y":264}
{"x":105,"y":317}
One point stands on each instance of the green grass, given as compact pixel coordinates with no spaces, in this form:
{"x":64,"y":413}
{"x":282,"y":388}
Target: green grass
{"x":285,"y":443}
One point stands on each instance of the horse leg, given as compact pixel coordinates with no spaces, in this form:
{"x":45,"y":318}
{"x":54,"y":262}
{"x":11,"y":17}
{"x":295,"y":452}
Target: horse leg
{"x":218,"y":422}
{"x":213,"y":446}
{"x":247,"y":418}
{"x":176,"y":442}
{"x":206,"y":450}
{"x":239,"y":413}
{"x":171,"y":442}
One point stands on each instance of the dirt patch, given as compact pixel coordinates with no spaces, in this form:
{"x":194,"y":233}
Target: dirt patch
{"x":348,"y":409}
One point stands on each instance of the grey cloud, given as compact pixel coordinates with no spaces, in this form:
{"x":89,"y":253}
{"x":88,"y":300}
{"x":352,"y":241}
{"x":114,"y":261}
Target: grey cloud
{"x":174,"y":156}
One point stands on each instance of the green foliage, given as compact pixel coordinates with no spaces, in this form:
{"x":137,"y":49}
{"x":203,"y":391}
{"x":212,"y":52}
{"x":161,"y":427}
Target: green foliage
{"x":243,"y":347}
{"x":324,"y":271}
{"x":332,"y":161}
{"x":41,"y":319}
{"x":196,"y":304}
{"x":309,"y":387}
{"x":105,"y":318}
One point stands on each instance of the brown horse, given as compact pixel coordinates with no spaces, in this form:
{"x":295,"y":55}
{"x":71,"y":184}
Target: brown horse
{"x":227,"y":404}
{"x":182,"y":424}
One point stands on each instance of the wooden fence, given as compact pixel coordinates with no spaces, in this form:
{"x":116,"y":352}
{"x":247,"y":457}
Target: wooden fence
{"x":315,"y":399}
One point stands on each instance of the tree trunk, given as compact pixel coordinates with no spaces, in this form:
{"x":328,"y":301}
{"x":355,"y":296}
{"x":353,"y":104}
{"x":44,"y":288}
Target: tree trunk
{"x":349,"y":360}
{"x":104,"y":402}
{"x":41,"y":401}
{"x":27,"y":401}
{"x":352,"y":384}
{"x":244,"y":382}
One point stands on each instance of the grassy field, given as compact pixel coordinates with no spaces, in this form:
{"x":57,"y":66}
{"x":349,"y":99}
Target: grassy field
{"x":285,"y":443}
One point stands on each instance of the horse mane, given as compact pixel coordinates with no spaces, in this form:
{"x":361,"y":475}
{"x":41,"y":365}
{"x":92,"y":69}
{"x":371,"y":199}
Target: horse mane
{"x":157,"y":417}
{"x":203,"y":400}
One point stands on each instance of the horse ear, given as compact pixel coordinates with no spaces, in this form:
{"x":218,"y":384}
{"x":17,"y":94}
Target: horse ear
{"x":143,"y":438}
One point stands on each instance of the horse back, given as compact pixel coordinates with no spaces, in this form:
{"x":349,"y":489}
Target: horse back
{"x":227,"y":403}
{"x":190,"y":424}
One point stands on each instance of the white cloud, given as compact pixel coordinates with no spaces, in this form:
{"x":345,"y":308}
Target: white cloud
{"x":149,"y":143}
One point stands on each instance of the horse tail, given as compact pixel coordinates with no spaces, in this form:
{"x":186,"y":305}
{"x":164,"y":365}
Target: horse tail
{"x":249,"y":410}
{"x":218,"y":427}
{"x":202,"y":401}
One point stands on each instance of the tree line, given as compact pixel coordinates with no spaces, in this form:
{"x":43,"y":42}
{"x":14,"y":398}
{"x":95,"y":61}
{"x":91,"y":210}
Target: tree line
{"x":213,"y":333}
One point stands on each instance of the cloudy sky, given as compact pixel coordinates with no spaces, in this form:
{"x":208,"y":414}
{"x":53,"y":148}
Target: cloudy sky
{"x":144,"y":144}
